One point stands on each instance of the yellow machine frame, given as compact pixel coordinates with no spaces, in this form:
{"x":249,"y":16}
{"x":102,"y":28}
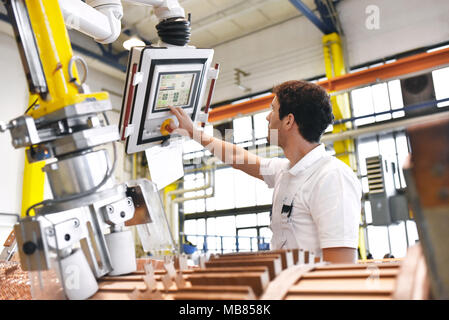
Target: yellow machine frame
{"x":55,"y":53}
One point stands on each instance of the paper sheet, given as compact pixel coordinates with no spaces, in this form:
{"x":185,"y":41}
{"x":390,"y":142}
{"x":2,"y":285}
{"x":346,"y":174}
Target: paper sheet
{"x":165,"y":163}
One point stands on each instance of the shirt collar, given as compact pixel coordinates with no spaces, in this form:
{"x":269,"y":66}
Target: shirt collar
{"x":310,"y":158}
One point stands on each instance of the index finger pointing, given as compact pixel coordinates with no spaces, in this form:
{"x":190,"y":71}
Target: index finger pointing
{"x":174,"y":110}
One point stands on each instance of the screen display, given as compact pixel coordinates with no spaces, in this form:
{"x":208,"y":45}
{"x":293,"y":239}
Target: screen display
{"x":174,"y":90}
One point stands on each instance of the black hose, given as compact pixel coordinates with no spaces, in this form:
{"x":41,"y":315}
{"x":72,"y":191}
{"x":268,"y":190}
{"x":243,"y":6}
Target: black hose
{"x":175,"y":31}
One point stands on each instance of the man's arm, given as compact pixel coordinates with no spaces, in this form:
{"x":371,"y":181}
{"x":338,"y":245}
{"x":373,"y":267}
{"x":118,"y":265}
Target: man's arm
{"x":229,"y":153}
{"x":335,"y":205}
{"x":339,"y":255}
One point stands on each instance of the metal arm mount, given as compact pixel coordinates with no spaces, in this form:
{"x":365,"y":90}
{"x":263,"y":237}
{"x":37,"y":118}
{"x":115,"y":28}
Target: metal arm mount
{"x":100,"y":19}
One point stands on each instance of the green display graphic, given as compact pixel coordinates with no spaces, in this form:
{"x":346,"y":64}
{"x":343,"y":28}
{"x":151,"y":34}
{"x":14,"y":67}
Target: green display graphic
{"x":174,"y":90}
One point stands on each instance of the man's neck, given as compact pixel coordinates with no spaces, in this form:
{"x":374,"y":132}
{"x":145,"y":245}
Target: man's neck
{"x":296,"y":149}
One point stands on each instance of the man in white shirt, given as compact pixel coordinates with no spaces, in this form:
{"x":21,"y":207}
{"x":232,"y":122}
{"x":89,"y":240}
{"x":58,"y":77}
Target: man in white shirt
{"x":316,"y":198}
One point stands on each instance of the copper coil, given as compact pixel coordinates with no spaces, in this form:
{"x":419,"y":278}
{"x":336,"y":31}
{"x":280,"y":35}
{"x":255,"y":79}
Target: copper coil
{"x":14,"y":282}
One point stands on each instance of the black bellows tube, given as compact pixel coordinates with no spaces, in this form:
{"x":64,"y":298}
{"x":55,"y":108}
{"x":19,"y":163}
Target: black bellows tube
{"x":174,"y":31}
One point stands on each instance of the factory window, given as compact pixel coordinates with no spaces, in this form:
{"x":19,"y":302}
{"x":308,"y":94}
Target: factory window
{"x":221,"y":234}
{"x":191,"y":181}
{"x":386,"y":97}
{"x":394,"y":239}
{"x":194,"y":150}
{"x":440,"y":81}
{"x":224,"y":226}
{"x":243,"y":129}
{"x":264,"y":194}
{"x":246,"y":220}
{"x":244,"y":189}
{"x":263,"y":219}
{"x":224,"y":197}
{"x":245,"y":232}
{"x":247,"y":240}
{"x":379,"y":98}
{"x":233,"y":188}
{"x":261,"y":125}
{"x":195,"y":229}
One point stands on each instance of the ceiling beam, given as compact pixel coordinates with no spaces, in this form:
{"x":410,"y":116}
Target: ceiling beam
{"x":325,"y":28}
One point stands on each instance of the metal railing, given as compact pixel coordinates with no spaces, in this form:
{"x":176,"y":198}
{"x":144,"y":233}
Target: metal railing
{"x":261,"y":243}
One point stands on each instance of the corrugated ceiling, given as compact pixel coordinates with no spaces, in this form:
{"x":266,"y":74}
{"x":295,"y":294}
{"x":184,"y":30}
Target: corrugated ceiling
{"x":213,"y":21}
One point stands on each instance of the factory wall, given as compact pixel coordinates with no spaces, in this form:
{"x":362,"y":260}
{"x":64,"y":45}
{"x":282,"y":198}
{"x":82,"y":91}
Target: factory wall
{"x":402,"y":25}
{"x":289,"y":50}
{"x":374,"y":29}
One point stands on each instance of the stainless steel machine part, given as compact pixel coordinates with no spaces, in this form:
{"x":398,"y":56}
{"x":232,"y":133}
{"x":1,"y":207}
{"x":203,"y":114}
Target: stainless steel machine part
{"x":117,"y":213}
{"x":7,"y":252}
{"x":65,"y":178}
{"x":63,"y":235}
{"x":23,"y":132}
{"x":32,"y":244}
{"x":28,"y":48}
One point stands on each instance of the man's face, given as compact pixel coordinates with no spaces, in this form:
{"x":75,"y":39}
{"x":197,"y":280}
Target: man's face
{"x":274,"y":123}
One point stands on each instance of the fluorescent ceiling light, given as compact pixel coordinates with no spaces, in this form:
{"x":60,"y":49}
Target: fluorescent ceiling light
{"x":133,"y":42}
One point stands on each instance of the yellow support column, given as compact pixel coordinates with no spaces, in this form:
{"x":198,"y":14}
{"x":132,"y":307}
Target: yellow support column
{"x":134,"y":171}
{"x":345,"y":151}
{"x":167,"y":203}
{"x":33,"y":179}
{"x":33,"y":185}
{"x":335,"y":66}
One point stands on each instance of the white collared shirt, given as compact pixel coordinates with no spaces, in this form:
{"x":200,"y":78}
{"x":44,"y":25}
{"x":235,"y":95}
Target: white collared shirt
{"x":326,"y":196}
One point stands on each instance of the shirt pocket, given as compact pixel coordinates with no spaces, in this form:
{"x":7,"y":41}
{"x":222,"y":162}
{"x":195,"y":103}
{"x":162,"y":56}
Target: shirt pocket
{"x":288,"y":233}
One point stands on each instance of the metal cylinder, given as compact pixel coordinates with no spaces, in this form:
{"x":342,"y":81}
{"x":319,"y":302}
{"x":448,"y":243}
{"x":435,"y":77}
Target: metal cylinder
{"x":79,"y":281}
{"x":122,"y":252}
{"x":79,"y":174}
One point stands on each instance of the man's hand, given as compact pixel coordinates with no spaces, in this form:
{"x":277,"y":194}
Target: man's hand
{"x":185,"y":127}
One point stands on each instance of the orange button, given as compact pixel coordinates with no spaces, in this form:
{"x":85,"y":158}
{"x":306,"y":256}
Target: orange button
{"x":165,"y":127}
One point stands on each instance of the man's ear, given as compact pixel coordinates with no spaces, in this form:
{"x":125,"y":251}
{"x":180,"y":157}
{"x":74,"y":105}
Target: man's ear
{"x":290,"y":121}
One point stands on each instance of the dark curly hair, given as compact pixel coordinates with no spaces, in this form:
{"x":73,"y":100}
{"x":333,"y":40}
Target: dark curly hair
{"x":310,"y":105}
